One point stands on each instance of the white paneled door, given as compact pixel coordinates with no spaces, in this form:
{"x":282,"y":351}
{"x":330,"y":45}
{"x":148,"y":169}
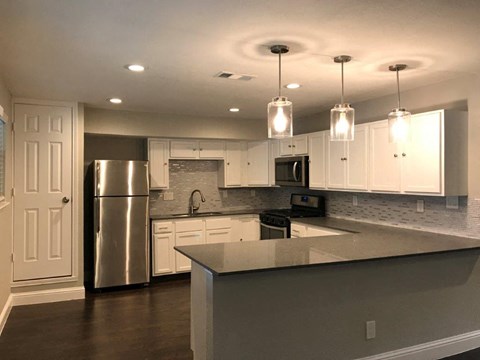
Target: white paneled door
{"x":43,"y":187}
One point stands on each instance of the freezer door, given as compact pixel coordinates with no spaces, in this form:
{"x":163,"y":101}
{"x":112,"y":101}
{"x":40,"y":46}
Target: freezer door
{"x":120,"y":178}
{"x":121,"y":252}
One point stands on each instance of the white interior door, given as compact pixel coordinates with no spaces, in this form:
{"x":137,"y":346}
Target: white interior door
{"x":43,"y":185}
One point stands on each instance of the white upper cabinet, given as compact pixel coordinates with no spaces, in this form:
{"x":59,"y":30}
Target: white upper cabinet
{"x":158,"y":163}
{"x":297,"y":145}
{"x":230,"y":172}
{"x":432,"y":162}
{"x":347,"y":161}
{"x":384,"y":159}
{"x":257,"y":163}
{"x":197,"y":149}
{"x":274,"y":153}
{"x":317,"y":159}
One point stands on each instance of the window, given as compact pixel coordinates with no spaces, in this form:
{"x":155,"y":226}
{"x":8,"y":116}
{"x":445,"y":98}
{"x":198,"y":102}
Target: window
{"x":2,"y":159}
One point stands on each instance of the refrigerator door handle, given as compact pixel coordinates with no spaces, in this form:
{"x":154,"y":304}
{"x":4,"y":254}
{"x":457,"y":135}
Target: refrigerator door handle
{"x":97,"y":203}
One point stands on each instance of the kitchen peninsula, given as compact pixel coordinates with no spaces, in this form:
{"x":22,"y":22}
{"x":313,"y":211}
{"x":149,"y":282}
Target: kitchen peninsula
{"x":374,"y":290}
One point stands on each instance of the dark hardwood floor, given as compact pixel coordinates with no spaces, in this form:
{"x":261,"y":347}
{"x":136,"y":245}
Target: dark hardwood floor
{"x":145,"y":323}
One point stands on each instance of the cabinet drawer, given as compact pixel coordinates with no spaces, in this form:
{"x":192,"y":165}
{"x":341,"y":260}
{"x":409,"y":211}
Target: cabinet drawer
{"x":162,"y":227}
{"x":188,"y":225}
{"x":218,"y":223}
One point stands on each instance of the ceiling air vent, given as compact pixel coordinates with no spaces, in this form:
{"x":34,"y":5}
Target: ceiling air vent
{"x":232,"y":76}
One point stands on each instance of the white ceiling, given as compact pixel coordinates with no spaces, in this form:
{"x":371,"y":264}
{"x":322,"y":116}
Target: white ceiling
{"x":77,"y":49}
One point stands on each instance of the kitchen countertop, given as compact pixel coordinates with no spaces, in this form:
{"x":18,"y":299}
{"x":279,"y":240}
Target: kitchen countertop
{"x":365,"y":242}
{"x":207,"y":214}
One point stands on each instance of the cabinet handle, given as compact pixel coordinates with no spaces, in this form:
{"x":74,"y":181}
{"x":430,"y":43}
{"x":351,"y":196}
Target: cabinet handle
{"x":403,"y":154}
{"x":248,"y":163}
{"x":294,"y":146}
{"x":289,"y":146}
{"x":395,"y":155}
{"x":165,"y":164}
{"x":201,"y":149}
{"x":345,"y":159}
{"x":194,"y":149}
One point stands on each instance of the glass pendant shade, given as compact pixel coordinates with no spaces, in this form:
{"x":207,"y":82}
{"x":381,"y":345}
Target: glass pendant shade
{"x":280,"y":118}
{"x":399,"y":125}
{"x":342,"y":122}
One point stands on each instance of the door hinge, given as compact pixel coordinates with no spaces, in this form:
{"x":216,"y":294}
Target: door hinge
{"x":13,"y":127}
{"x":13,"y":192}
{"x":12,"y":257}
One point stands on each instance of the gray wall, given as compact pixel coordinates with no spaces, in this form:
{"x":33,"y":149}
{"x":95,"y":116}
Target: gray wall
{"x":6,"y":213}
{"x":115,"y":122}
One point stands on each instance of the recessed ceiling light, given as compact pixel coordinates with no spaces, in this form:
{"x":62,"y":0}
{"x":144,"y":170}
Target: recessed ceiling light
{"x":115,"y":100}
{"x":135,"y":67}
{"x":234,"y":109}
{"x":293,"y":86}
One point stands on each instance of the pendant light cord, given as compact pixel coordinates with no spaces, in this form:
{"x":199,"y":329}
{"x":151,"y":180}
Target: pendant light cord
{"x":342,"y":84}
{"x":398,"y":89}
{"x":279,"y":74}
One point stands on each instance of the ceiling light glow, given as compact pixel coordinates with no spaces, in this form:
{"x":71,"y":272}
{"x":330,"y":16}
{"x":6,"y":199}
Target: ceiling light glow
{"x":136,"y":68}
{"x":115,"y":100}
{"x":234,"y":109}
{"x":293,"y":86}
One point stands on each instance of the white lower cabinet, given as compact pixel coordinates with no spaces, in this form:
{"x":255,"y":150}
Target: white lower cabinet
{"x":169,"y":233}
{"x":298,"y":230}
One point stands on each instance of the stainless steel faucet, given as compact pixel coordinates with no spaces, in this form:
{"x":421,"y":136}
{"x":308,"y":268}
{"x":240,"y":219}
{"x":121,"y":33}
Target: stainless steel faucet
{"x":192,"y":208}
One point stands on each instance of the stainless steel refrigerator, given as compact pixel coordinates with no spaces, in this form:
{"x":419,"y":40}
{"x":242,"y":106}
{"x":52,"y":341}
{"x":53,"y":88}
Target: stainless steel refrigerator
{"x":120,"y":224}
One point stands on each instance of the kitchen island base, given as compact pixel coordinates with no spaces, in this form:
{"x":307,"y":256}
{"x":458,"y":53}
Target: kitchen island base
{"x":321,"y":312}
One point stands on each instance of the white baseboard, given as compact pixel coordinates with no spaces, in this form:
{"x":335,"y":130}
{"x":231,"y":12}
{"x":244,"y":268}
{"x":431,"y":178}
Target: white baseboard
{"x":5,"y":312}
{"x":433,"y":350}
{"x":47,"y":296}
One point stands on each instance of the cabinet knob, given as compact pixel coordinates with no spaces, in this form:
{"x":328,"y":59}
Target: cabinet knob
{"x":201,"y":149}
{"x":293,"y":145}
{"x":241,"y":239}
{"x":194,"y":149}
{"x":395,"y":155}
{"x":345,"y":158}
{"x":248,"y":163}
{"x":403,"y":154}
{"x":65,"y":200}
{"x":228,"y":163}
{"x":289,"y":146}
{"x":165,"y":164}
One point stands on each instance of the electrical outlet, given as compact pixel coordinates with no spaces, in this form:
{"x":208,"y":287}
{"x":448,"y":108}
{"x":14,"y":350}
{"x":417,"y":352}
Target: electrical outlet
{"x":252,"y":192}
{"x":168,"y":196}
{"x":355,"y":200}
{"x":452,"y":202}
{"x":225,"y":194}
{"x":420,"y":206}
{"x":370,"y":331}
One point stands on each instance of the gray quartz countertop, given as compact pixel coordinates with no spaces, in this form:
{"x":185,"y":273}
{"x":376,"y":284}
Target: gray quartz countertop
{"x":364,"y":242}
{"x":155,"y":216}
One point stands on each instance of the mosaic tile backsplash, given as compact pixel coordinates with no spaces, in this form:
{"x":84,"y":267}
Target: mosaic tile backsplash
{"x":394,"y":210}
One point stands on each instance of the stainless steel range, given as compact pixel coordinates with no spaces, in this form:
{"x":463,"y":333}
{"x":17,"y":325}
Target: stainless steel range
{"x":275,"y":224}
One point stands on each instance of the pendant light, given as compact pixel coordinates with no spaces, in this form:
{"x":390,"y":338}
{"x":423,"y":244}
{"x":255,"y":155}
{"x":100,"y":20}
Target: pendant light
{"x":280,"y":109}
{"x":342,"y":116}
{"x":398,"y":118}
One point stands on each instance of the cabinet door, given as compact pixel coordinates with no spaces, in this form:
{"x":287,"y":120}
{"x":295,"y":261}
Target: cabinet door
{"x":422,"y":156}
{"x":297,"y":230}
{"x":257,"y":163}
{"x":250,"y":229}
{"x":233,"y":164}
{"x":317,"y":149}
{"x":218,"y":236}
{"x":336,"y":164}
{"x":211,"y":149}
{"x":357,"y":160}
{"x":300,"y":145}
{"x":385,"y":160}
{"x":158,"y":162}
{"x":184,"y":149}
{"x":274,"y":153}
{"x":182,"y":263}
{"x":163,"y":254}
{"x":286,"y":147}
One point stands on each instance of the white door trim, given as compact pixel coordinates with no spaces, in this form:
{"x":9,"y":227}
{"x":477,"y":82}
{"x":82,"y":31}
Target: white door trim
{"x":434,"y":349}
{"x":48,"y":296}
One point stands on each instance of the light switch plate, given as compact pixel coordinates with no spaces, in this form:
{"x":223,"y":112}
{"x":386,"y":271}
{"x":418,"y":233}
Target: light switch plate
{"x":168,"y":196}
{"x":420,"y":206}
{"x":452,"y":202}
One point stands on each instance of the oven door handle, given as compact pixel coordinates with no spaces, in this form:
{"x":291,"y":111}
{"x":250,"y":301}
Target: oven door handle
{"x":294,"y":170}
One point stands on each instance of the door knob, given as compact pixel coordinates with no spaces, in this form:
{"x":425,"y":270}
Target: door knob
{"x":65,"y":200}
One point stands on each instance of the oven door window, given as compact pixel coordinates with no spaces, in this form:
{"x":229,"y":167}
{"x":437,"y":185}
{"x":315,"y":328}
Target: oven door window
{"x":272,"y":232}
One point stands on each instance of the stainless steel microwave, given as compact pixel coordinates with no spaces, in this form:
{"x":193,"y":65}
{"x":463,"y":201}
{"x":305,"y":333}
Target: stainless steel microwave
{"x":291,"y":171}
